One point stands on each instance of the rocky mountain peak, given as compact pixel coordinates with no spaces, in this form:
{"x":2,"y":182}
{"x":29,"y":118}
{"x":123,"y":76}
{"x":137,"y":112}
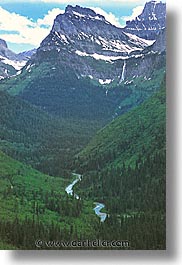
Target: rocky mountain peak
{"x":82,"y":12}
{"x":153,"y":10}
{"x":150,"y":22}
{"x":78,"y":18}
{"x":84,"y":32}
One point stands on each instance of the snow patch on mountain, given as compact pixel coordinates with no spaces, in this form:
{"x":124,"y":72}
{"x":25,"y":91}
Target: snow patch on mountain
{"x":105,"y":82}
{"x":100,"y":56}
{"x":138,"y":40}
{"x":16,"y":64}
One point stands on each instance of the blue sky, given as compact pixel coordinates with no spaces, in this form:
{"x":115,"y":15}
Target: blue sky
{"x":24,"y":24}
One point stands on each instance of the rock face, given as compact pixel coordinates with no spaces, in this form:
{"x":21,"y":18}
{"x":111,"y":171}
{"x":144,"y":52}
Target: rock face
{"x":150,"y":23}
{"x":82,"y":30}
{"x":160,"y":43}
{"x":152,"y":58}
{"x":88,"y":44}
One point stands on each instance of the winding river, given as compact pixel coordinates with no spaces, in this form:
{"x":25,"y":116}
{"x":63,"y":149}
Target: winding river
{"x":69,"y":188}
{"x":99,"y":206}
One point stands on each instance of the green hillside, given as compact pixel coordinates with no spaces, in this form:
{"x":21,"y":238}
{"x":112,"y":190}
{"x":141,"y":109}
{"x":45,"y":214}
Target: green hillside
{"x":34,"y":137}
{"x":47,"y":84}
{"x":134,"y":135}
{"x":34,"y":206}
{"x":124,"y":167}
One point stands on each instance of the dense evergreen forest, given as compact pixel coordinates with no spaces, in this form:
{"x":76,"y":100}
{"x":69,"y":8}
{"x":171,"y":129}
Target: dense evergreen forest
{"x":54,"y":87}
{"x":125,"y":166}
{"x":37,"y":138}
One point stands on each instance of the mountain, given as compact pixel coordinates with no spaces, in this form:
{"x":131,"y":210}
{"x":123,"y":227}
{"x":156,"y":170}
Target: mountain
{"x":84,"y":31}
{"x":11,"y":62}
{"x":150,"y":22}
{"x":86,"y":63}
{"x":87,"y":43}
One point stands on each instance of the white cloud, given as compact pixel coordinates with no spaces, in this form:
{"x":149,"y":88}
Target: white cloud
{"x":49,"y":18}
{"x":13,"y":21}
{"x":110,"y":17}
{"x":20,"y":29}
{"x":135,"y":13}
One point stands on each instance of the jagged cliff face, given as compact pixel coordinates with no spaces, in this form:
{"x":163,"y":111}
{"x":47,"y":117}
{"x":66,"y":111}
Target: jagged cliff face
{"x":150,"y":23}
